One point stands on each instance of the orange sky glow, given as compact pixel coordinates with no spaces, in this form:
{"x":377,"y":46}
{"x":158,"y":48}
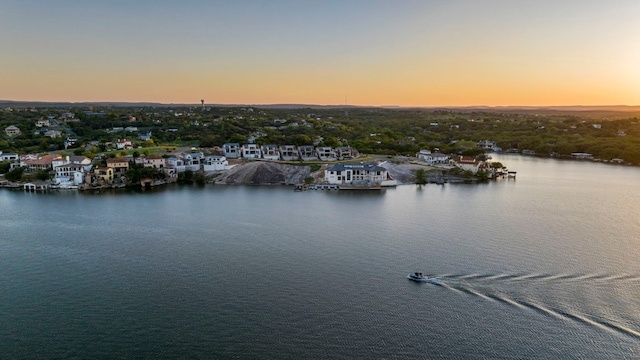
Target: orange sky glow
{"x":413,"y":53}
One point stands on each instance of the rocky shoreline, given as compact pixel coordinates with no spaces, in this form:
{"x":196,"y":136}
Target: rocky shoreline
{"x":273,"y":173}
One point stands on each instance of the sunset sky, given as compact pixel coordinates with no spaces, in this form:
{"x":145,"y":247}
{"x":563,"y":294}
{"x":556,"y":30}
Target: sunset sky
{"x":364,"y":52}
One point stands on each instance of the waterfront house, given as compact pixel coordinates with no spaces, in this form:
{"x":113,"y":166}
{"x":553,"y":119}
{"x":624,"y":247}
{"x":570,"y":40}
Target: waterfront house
{"x":157,"y":162}
{"x":469,"y":163}
{"x":69,"y":174}
{"x":435,"y":158}
{"x":326,"y":153}
{"x":307,"y":153}
{"x":356,"y":173}
{"x":101,"y":176}
{"x":176,"y":163}
{"x":289,"y":152}
{"x":215,"y":163}
{"x":119,"y":165}
{"x":582,"y":156}
{"x":251,"y":151}
{"x":41,"y":163}
{"x":231,"y":150}
{"x":193,"y":161}
{"x":270,"y":152}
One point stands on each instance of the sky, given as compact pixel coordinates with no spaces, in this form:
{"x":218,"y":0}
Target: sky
{"x":355,"y":52}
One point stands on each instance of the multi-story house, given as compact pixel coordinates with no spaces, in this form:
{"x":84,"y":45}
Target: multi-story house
{"x":289,"y":152}
{"x":363,"y":174}
{"x":325,"y":153}
{"x":119,"y":165}
{"x":215,"y":163}
{"x":270,"y":152}
{"x":231,"y":150}
{"x":307,"y":153}
{"x":251,"y":151}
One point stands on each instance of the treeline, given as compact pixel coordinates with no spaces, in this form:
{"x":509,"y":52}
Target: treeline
{"x":369,"y":130}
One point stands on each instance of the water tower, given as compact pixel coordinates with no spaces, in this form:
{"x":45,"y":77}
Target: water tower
{"x":202,"y":101}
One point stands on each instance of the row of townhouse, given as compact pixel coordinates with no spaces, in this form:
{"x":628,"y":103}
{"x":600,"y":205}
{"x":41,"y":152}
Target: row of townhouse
{"x":288,"y":152}
{"x":196,"y":161}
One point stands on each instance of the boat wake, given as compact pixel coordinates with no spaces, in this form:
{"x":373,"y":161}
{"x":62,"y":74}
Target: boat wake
{"x":491,"y":287}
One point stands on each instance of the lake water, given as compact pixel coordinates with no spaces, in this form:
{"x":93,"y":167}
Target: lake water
{"x":545,"y":266}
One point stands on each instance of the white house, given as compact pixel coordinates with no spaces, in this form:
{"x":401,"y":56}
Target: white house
{"x":325,"y":153}
{"x":486,"y":144}
{"x":124,"y":144}
{"x":345,"y":152}
{"x":434,"y":158}
{"x":69,"y":174}
{"x":12,"y":157}
{"x":289,"y":152}
{"x":192,"y":161}
{"x":270,"y":152}
{"x":231,"y":150}
{"x":355,"y":173}
{"x":251,"y":151}
{"x":307,"y":153}
{"x":215,"y":162}
{"x":469,"y":163}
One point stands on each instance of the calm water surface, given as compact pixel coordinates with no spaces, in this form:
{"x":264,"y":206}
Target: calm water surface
{"x":545,"y":266}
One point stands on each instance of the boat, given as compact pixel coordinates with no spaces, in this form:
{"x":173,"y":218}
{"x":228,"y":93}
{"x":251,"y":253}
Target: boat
{"x":417,"y":276}
{"x":420,"y":277}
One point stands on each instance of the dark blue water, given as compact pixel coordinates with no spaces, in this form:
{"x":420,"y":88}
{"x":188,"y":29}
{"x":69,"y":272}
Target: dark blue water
{"x":545,"y":266}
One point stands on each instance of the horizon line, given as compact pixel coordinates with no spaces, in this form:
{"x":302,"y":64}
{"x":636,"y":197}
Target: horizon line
{"x":315,"y":105}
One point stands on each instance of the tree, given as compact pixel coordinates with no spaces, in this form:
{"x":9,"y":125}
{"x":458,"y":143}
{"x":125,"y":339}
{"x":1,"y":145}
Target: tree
{"x":421,"y":177}
{"x":4,"y":166}
{"x":43,"y":175}
{"x":15,"y":174}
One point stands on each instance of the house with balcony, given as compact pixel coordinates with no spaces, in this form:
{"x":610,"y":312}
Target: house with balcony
{"x":157,"y":162}
{"x":40,"y":163}
{"x":433,"y":158}
{"x":251,"y":151}
{"x":326,"y":153}
{"x":193,"y":161}
{"x":270,"y":152}
{"x":215,"y":163}
{"x":307,"y":153}
{"x":345,"y":153}
{"x":100,"y":176}
{"x":358,"y":174}
{"x":69,"y":174}
{"x":289,"y":153}
{"x":231,"y":150}
{"x":119,"y":165}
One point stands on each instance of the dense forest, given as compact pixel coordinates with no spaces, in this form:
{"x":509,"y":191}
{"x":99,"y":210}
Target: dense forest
{"x":606,"y":136}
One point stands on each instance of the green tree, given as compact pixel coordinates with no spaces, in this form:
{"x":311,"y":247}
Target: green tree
{"x":4,"y":166}
{"x":421,"y":176}
{"x":43,"y":175}
{"x":15,"y":174}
